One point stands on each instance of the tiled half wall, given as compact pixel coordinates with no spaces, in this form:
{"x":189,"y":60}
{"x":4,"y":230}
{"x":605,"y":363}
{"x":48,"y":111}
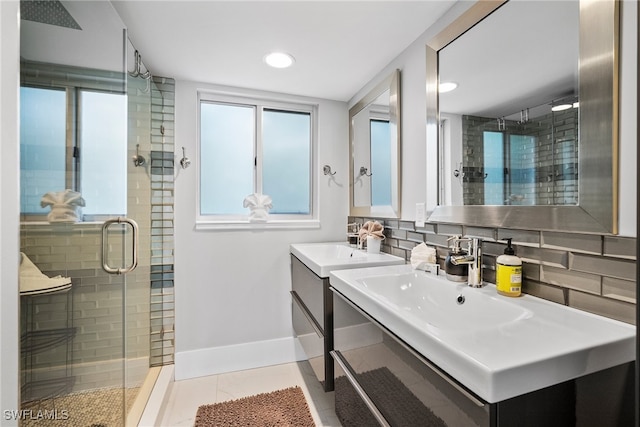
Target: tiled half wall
{"x":589,"y":272}
{"x":163,"y":173}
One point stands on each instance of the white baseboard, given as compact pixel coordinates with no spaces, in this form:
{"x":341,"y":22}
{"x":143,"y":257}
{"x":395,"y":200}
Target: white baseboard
{"x":218,"y":360}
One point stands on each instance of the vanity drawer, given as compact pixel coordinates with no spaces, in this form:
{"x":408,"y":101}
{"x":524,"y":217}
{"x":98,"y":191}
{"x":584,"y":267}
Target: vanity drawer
{"x":398,"y":386}
{"x":309,"y":335}
{"x":310,"y":289}
{"x":312,"y":313}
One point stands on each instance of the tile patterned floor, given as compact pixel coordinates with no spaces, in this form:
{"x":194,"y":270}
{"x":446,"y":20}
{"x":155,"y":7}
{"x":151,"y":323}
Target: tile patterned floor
{"x":97,"y":408}
{"x":187,"y":395}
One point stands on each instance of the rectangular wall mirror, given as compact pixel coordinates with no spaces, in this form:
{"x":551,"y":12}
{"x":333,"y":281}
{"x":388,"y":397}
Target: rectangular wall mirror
{"x":374,"y":151}
{"x":528,"y":136}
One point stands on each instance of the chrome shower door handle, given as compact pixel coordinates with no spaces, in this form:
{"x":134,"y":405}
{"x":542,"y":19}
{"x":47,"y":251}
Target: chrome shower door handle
{"x":105,"y":246}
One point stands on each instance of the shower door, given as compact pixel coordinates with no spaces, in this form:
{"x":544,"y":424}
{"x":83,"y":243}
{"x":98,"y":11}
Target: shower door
{"x":85,"y":217}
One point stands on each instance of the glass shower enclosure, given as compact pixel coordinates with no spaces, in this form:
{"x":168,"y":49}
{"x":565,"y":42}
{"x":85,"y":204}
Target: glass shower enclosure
{"x":85,"y":216}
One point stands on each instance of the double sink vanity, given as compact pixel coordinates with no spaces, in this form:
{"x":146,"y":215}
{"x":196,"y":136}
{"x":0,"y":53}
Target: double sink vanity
{"x":407,"y":347}
{"x":402,"y":347}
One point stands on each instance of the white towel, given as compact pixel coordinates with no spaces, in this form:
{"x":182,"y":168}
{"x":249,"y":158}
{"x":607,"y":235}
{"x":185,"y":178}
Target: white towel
{"x":259,"y":205}
{"x":33,"y":282}
{"x":63,"y":204}
{"x":422,"y":255}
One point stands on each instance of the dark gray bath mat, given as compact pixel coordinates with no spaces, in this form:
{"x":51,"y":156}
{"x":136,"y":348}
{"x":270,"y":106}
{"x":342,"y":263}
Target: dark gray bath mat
{"x":394,"y":400}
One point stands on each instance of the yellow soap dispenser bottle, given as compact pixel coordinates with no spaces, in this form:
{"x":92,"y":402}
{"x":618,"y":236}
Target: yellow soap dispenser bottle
{"x":509,"y":272}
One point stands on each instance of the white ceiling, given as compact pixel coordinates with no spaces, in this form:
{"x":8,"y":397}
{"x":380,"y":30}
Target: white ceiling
{"x":511,"y":61}
{"x":339,"y":46}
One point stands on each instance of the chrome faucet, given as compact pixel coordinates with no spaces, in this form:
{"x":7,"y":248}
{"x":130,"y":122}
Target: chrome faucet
{"x":352,"y":234}
{"x":473,"y":258}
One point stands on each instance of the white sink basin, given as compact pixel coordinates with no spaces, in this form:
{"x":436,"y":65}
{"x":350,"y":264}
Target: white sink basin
{"x":446,"y":307}
{"x":498,"y":347}
{"x":322,"y":258}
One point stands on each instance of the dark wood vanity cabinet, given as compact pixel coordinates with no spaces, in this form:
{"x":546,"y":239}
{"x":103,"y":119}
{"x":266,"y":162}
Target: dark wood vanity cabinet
{"x":312,"y":312}
{"x":314,"y":318}
{"x":381,"y":380}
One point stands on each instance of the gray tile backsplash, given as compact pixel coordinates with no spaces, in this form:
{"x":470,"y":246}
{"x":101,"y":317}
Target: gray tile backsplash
{"x":571,"y":279}
{"x":586,"y":243}
{"x":606,"y":266}
{"x":588,"y":272}
{"x":619,"y":247}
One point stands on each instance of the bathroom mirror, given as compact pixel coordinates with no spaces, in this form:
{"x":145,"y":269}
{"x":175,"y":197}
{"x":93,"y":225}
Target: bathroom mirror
{"x":505,"y":159}
{"x":374,"y":151}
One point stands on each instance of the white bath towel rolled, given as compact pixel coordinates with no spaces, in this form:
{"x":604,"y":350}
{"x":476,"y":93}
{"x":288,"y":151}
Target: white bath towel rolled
{"x":64,"y":205}
{"x":259,"y":205}
{"x":422,"y":255}
{"x":33,"y":281}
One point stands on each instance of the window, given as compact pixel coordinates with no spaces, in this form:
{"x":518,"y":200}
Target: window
{"x":43,"y":143}
{"x":508,"y":176}
{"x":103,"y":153}
{"x":494,"y":180}
{"x":87,"y":155}
{"x":380,"y":132}
{"x":249,"y":146}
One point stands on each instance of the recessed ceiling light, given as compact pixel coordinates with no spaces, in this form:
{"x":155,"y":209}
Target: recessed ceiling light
{"x":447,"y":87}
{"x":279,"y":60}
{"x":561,"y":107}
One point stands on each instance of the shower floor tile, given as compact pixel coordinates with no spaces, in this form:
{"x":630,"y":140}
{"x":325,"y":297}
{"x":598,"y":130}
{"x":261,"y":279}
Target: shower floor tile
{"x":96,"y":408}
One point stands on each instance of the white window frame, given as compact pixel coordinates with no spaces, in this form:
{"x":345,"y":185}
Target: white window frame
{"x":275,"y":221}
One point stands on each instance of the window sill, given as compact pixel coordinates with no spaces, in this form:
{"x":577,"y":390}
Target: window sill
{"x":269,"y":225}
{"x":39,"y":223}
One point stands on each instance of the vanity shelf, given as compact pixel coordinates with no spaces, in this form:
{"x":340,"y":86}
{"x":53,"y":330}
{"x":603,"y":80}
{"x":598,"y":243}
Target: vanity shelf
{"x":46,"y":354}
{"x":34,"y":342}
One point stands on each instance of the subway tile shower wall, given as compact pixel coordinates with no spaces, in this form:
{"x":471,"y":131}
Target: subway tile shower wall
{"x":163,"y":171}
{"x":74,"y":250}
{"x":588,"y":272}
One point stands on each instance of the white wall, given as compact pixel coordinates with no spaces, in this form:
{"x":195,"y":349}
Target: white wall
{"x":9,"y":207}
{"x":412,"y":66}
{"x":415,"y":165}
{"x":233,"y":308}
{"x":628,"y":118}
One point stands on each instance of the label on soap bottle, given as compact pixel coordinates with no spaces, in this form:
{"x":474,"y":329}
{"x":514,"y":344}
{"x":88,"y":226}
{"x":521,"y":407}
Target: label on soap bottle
{"x":509,"y":279}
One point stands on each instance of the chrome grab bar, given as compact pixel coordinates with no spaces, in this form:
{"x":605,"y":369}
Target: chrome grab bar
{"x":105,"y":245}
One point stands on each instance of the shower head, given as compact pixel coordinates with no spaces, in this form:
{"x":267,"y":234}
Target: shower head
{"x":50,"y":12}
